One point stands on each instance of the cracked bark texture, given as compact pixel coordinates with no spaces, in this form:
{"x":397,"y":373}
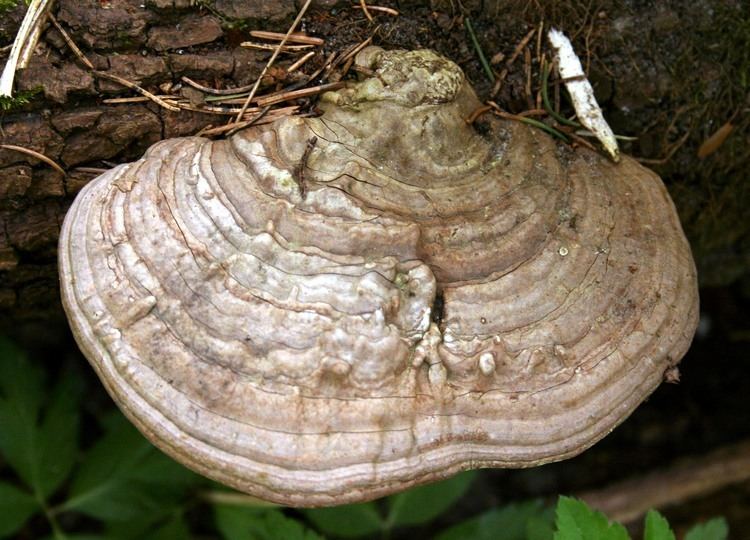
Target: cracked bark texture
{"x":151,"y":45}
{"x":288,"y":341}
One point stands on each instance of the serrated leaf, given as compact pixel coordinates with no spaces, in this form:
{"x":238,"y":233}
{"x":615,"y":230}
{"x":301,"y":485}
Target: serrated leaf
{"x":576,"y":521}
{"x":16,"y":507}
{"x":123,"y":477}
{"x":347,"y":521}
{"x":657,"y":527}
{"x":422,"y":504}
{"x":41,"y":448}
{"x":242,"y":523}
{"x":714,"y":529}
{"x":509,"y":523}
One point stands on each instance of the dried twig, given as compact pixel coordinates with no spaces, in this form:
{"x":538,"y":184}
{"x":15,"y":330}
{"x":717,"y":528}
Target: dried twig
{"x":519,"y":48}
{"x":628,"y":500}
{"x":71,"y":43}
{"x":516,"y":52}
{"x":263,"y":117}
{"x":33,"y":39}
{"x":295,"y":94}
{"x":294,"y":67}
{"x":34,"y":153}
{"x":273,"y":57}
{"x":90,"y":170}
{"x":581,"y":93}
{"x":539,"y":33}
{"x":717,"y":138}
{"x":476,"y":113}
{"x":293,"y":38}
{"x":364,"y":70}
{"x":270,"y":47}
{"x":356,"y":48}
{"x":24,"y":44}
{"x":533,"y":112}
{"x":206,"y":109}
{"x":527,"y":69}
{"x":216,"y":91}
{"x":580,"y":140}
{"x":132,"y":99}
{"x":133,"y":86}
{"x":383,"y":9}
{"x":363,"y":7}
{"x":670,"y":153}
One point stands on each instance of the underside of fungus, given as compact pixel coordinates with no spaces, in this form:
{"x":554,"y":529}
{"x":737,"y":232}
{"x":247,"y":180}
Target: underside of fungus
{"x":327,"y":310}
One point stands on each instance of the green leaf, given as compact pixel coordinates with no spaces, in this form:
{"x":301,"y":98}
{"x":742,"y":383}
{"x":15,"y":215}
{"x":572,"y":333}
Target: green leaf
{"x":243,"y":523}
{"x":58,"y":435}
{"x":21,"y":391}
{"x":16,"y":507}
{"x":147,"y":526}
{"x":541,"y":527}
{"x":75,"y":536}
{"x":422,"y":504}
{"x":235,"y":522}
{"x":657,"y":527}
{"x":714,"y":529}
{"x":510,"y":522}
{"x":576,"y":521}
{"x":41,"y":448}
{"x":347,"y":521}
{"x":174,"y":529}
{"x":123,"y":477}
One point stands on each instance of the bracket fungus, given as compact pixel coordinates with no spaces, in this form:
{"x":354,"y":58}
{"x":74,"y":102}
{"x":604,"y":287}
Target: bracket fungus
{"x":328,"y":310}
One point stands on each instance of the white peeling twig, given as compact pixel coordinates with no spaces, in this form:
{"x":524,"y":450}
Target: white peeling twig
{"x":276,"y":52}
{"x":581,"y":92}
{"x":24,"y":44}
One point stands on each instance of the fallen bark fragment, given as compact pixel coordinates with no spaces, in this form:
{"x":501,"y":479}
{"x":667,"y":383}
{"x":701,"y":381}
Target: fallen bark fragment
{"x":581,"y":92}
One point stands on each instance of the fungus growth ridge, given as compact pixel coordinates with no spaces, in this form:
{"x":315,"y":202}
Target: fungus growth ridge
{"x":328,"y":310}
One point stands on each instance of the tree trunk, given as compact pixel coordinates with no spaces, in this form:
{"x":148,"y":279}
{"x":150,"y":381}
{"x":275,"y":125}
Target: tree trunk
{"x":67,"y":121}
{"x":661,"y":72}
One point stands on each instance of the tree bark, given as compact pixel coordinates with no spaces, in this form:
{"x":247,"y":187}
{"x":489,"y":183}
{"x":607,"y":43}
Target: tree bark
{"x":67,"y":121}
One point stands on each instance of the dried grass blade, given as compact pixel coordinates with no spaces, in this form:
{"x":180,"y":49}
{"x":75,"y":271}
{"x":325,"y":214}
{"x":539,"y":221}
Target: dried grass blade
{"x":133,"y":86}
{"x":271,"y":47}
{"x":37,"y":155}
{"x":713,"y":143}
{"x":293,"y":38}
{"x":295,"y":94}
{"x":71,"y":43}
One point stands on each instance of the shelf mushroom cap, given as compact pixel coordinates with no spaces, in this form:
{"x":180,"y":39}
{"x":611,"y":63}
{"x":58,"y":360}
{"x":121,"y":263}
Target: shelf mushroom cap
{"x":327,"y":310}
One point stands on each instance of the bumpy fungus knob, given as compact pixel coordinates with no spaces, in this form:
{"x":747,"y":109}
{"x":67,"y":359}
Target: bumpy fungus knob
{"x":413,"y":300}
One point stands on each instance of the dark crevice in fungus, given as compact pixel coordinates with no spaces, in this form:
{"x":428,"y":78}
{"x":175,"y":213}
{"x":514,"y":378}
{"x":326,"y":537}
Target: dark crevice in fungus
{"x":437,"y":308}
